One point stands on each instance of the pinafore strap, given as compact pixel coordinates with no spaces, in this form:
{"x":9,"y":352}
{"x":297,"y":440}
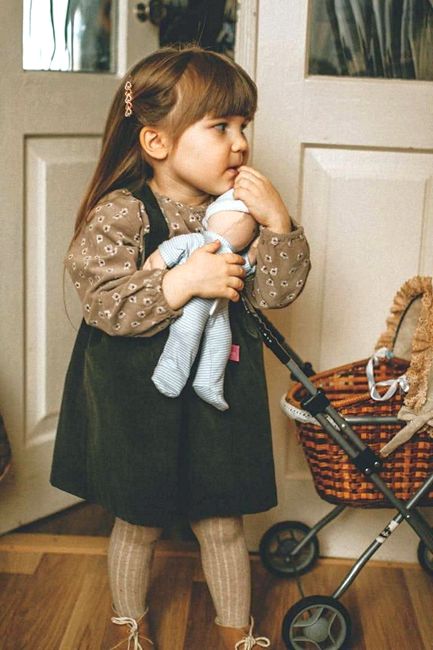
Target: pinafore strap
{"x":158,"y":228}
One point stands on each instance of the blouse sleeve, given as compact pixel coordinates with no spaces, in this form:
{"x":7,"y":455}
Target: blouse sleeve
{"x":117,"y":296}
{"x":283,"y":264}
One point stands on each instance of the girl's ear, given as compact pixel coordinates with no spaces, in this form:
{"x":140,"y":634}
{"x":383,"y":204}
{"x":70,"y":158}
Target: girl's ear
{"x":154,"y":142}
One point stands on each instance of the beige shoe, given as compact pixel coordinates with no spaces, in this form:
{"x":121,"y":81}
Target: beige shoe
{"x":136,"y":636}
{"x":241,"y":638}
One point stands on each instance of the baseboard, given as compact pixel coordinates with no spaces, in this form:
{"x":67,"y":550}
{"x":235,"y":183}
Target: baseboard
{"x":91,"y":545}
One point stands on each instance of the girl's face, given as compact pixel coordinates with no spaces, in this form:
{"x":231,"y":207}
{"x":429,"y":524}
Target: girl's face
{"x":207,"y":156}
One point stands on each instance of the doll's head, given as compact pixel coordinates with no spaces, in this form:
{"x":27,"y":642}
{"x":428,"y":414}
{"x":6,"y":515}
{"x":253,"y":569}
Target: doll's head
{"x":230,"y":218}
{"x":238,"y":228}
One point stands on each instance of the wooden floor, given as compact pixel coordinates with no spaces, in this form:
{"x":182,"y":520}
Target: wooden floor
{"x":54,"y":595}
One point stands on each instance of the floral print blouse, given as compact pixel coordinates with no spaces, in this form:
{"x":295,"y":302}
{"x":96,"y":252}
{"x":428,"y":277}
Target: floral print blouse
{"x":121,"y":298}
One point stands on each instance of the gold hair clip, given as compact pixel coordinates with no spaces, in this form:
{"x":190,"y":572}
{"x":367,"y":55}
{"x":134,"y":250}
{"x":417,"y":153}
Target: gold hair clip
{"x":128,"y":98}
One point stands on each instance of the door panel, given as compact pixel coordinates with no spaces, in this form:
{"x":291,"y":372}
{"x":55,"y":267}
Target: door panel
{"x":357,"y":205}
{"x":51,"y":127}
{"x":56,"y":170}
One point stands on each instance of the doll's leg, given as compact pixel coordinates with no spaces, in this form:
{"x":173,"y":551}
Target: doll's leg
{"x":209,"y":378}
{"x":226,"y":565}
{"x":174,"y":365}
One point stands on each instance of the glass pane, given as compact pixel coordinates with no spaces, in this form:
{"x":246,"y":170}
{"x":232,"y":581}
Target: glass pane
{"x":69,"y":35}
{"x":210,"y":23}
{"x":372,"y":38}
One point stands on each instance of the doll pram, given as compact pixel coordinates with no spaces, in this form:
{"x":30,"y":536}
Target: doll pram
{"x":344,"y":448}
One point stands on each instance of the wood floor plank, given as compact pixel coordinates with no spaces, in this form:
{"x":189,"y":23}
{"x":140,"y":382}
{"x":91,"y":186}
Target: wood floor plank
{"x":271,"y":598}
{"x":382,"y":611}
{"x":201,"y":631}
{"x":13,"y":590}
{"x":45,"y":543}
{"x":90,"y":614}
{"x":57,"y":584}
{"x":26,"y":563}
{"x":83,"y":545}
{"x":420,"y":589}
{"x":198,"y":574}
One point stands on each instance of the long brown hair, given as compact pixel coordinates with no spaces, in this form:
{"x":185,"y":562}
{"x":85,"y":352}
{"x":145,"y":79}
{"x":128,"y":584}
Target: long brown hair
{"x":174,"y":87}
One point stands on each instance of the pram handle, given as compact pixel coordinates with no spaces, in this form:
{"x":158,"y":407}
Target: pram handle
{"x":275,"y":341}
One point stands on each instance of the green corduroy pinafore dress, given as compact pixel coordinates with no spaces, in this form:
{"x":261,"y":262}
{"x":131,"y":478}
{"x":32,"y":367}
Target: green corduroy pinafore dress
{"x":148,"y":458}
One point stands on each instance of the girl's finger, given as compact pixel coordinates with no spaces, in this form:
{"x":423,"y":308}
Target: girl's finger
{"x":247,"y":183}
{"x":245,"y":192}
{"x":232,"y":295}
{"x":233,"y":258}
{"x":235,"y":270}
{"x":235,"y":283}
{"x":212,"y":247}
{"x":248,"y":175}
{"x":252,"y":171}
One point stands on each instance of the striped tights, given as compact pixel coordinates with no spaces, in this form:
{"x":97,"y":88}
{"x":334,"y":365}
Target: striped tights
{"x":224,"y":557}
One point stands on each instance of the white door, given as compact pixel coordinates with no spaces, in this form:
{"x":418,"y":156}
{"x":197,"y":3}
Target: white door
{"x":353,"y":158}
{"x":51,"y":123}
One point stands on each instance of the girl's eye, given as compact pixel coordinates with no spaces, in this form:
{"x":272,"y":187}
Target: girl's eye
{"x":221,"y":127}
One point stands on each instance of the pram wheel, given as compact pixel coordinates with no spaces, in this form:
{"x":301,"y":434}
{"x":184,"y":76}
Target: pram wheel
{"x":279,"y":541}
{"x":425,"y":557}
{"x":317,"y":623}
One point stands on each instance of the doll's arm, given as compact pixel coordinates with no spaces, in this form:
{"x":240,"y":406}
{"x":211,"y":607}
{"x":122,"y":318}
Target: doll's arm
{"x":177,"y":249}
{"x":154,"y":261}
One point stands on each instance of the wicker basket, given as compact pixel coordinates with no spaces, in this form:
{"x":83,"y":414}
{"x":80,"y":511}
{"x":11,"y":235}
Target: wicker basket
{"x":336,"y":479}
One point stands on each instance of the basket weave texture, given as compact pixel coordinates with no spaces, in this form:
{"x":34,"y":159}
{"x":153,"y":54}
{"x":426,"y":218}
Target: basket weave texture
{"x":335,"y":477}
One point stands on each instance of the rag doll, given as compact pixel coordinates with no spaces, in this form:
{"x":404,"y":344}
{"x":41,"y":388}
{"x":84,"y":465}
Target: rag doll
{"x":204,"y":321}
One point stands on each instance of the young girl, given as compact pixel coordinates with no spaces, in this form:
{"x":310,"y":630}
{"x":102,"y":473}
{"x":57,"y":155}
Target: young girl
{"x":174,"y":140}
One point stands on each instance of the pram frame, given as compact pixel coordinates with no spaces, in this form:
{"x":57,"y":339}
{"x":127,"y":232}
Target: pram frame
{"x":361,"y":455}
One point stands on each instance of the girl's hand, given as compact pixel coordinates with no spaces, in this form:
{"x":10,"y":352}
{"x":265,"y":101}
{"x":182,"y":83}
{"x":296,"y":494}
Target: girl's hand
{"x":262,"y":200}
{"x":205,"y":275}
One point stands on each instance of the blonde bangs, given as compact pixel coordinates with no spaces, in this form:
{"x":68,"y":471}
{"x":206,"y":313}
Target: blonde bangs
{"x":212,"y":85}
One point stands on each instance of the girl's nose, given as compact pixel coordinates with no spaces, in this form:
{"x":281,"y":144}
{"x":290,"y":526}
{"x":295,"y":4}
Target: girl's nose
{"x":240,"y":143}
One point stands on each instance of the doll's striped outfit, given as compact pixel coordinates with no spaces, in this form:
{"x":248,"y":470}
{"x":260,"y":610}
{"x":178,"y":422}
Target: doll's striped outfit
{"x":196,"y":326}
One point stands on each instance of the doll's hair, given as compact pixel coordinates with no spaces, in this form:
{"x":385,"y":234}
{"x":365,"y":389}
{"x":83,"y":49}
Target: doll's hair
{"x":174,"y":87}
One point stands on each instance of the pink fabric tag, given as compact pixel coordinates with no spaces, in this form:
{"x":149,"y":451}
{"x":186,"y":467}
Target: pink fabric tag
{"x":235,"y":353}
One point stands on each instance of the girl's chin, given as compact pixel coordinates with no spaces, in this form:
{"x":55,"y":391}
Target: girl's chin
{"x":220,"y":188}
